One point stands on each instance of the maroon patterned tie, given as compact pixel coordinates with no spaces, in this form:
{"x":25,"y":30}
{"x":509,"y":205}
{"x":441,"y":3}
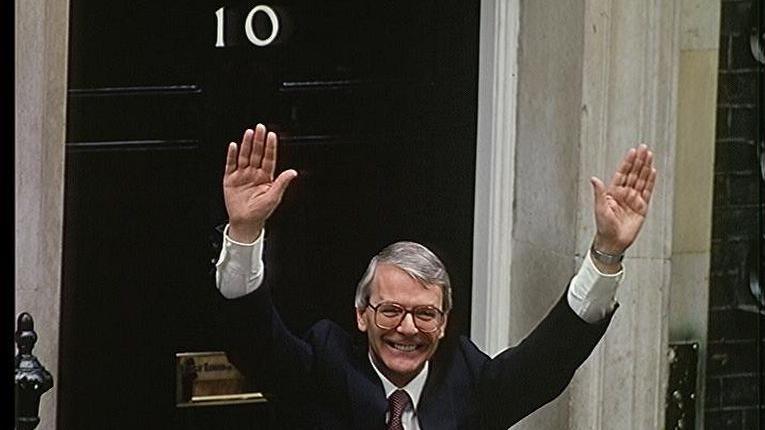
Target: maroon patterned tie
{"x":396,"y":404}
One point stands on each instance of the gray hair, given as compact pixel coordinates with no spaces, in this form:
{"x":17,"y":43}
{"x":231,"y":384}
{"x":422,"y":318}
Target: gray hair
{"x":417,"y":261}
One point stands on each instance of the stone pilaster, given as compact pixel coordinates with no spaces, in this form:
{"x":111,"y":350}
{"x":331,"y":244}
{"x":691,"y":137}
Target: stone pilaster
{"x":630,"y":87}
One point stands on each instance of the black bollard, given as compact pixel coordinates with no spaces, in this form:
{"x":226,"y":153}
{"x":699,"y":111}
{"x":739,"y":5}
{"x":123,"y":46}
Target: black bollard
{"x":31,"y":380}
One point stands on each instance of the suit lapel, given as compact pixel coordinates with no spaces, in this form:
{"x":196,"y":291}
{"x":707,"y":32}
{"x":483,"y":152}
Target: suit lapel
{"x":368,"y":402}
{"x":436,"y":409}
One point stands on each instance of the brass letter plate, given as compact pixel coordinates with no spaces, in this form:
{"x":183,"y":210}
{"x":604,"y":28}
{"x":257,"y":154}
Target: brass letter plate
{"x":208,"y":378}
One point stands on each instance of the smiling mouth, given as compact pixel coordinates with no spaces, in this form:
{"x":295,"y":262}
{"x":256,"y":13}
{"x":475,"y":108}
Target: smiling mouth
{"x":403,"y":347}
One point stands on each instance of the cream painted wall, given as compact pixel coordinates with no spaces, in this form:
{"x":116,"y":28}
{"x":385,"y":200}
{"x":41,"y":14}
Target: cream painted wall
{"x":40,"y":97}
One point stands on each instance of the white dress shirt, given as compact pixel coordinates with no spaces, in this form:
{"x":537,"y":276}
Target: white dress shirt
{"x":413,"y":388}
{"x":239,"y":271}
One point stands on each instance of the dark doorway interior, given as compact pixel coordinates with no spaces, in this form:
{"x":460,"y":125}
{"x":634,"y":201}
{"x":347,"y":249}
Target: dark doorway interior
{"x":376,"y":108}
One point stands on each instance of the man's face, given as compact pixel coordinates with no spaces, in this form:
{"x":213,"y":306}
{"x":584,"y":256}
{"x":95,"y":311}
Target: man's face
{"x":400,"y":352}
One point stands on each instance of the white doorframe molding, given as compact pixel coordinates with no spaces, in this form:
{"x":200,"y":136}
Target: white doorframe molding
{"x":495,"y":149}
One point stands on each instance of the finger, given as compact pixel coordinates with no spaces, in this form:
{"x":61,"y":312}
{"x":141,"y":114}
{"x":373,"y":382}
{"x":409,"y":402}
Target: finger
{"x":648,"y":190}
{"x":645,"y":172}
{"x":649,"y":158}
{"x":245,"y":149}
{"x":257,"y":145}
{"x":598,"y":191}
{"x":634,"y":174}
{"x":231,"y":158}
{"x":269,"y":156}
{"x":280,"y":184}
{"x":620,"y":176}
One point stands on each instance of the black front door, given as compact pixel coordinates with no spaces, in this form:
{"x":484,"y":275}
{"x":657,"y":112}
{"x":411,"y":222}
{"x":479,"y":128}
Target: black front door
{"x":375,"y":104}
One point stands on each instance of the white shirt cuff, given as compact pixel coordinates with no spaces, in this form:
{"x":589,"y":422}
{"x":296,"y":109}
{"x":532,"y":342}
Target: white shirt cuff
{"x":239,"y":270}
{"x":592,"y":294}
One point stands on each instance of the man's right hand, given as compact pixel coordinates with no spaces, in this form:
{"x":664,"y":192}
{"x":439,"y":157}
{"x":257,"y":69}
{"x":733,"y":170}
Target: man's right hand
{"x":249,"y":189}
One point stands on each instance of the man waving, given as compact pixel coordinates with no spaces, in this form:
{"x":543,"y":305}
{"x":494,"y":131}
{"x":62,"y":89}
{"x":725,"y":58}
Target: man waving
{"x":409,"y":374}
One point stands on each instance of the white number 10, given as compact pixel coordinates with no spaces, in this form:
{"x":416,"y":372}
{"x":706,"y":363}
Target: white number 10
{"x":248,"y":27}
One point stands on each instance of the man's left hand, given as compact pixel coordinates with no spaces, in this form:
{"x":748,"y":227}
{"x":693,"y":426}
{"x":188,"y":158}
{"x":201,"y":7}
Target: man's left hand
{"x":621,"y":208}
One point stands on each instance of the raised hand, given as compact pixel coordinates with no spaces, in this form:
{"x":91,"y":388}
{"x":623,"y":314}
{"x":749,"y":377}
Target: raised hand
{"x":621,"y":208}
{"x":249,"y":189}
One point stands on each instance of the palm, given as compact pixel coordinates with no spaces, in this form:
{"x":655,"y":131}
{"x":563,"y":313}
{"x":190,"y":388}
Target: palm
{"x":621,"y":208}
{"x":250,"y":192}
{"x":243,"y":191}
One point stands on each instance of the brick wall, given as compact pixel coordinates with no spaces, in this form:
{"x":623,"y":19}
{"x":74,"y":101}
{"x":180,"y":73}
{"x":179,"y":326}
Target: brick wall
{"x":734,"y":379}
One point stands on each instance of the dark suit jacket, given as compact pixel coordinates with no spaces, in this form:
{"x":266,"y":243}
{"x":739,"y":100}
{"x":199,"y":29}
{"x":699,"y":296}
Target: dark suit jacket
{"x":325,"y":381}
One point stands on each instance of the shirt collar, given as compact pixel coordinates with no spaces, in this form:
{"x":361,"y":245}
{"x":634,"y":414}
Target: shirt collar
{"x":413,"y":388}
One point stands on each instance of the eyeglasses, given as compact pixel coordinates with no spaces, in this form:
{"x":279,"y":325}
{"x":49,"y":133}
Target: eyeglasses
{"x":426,"y":318}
